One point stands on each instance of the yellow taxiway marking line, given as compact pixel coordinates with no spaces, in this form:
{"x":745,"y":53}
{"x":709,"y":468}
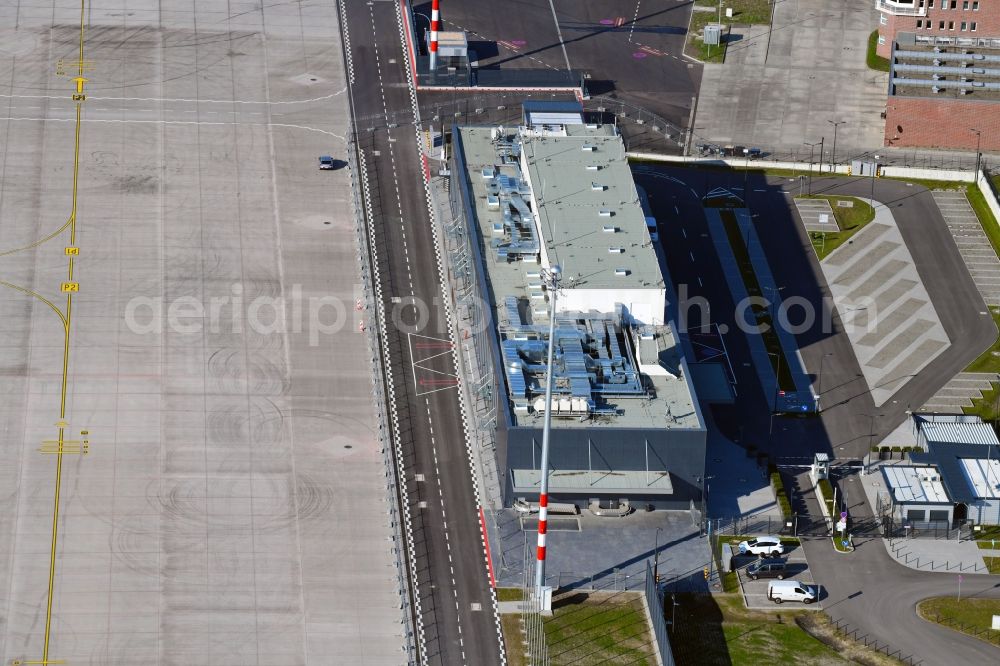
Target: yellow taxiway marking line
{"x":61,"y":446}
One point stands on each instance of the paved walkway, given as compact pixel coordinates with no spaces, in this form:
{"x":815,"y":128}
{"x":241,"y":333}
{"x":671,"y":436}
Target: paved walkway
{"x":888,"y":316}
{"x":973,"y":244}
{"x":779,"y":87}
{"x":959,"y":392}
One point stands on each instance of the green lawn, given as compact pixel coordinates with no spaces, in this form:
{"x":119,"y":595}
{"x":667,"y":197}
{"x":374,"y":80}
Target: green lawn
{"x":509,"y":594}
{"x":694,"y":46}
{"x":875,"y":62}
{"x":970,"y":616}
{"x":761,"y":314}
{"x":992,"y":564}
{"x":988,"y":407}
{"x":745,"y":12}
{"x":989,"y":360}
{"x":987,"y":532}
{"x":989,"y":544}
{"x":849,"y":222}
{"x":513,"y":639}
{"x":596,"y":629}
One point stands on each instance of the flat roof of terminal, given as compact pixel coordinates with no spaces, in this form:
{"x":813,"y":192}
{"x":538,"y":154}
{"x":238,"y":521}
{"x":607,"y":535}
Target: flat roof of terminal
{"x":671,"y":403}
{"x":583,"y":184}
{"x":915,"y":485}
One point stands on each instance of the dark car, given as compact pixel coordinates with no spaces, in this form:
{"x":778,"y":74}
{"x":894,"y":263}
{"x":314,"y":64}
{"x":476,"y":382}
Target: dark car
{"x":326,"y":162}
{"x":767,"y":568}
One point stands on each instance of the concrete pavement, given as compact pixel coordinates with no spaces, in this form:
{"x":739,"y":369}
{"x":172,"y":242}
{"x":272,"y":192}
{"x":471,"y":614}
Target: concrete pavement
{"x":889,"y":318}
{"x":813,"y":70}
{"x":231,"y":505}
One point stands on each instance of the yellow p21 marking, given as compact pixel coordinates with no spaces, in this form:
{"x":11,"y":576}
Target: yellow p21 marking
{"x":70,"y":287}
{"x":72,"y":251}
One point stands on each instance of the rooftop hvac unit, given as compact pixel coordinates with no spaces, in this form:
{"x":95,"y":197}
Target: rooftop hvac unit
{"x":616,"y":250}
{"x":978,"y":56}
{"x":587,"y":148}
{"x":937,"y":63}
{"x":936,"y":77}
{"x":622,"y":272}
{"x":935,"y":89}
{"x":604,"y":212}
{"x":963,"y":91}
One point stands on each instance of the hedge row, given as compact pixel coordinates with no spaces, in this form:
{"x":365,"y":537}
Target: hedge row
{"x":824,"y":485}
{"x":779,"y":492}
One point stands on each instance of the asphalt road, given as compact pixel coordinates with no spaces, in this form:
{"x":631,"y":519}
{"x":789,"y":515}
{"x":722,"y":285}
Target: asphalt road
{"x":849,"y":422}
{"x":632,"y":49}
{"x":456,"y":614}
{"x":868,"y":592}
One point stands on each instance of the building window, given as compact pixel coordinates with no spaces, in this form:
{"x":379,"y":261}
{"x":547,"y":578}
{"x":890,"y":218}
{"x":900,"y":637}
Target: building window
{"x":940,"y":25}
{"x":883,"y":19}
{"x":963,"y":26}
{"x":975,"y":5}
{"x":951,"y":25}
{"x":965,"y":4}
{"x":920,"y":23}
{"x":954,"y":4}
{"x":938,"y":515}
{"x":973,"y":26}
{"x":915,"y":515}
{"x":930,"y":4}
{"x":881,"y":40}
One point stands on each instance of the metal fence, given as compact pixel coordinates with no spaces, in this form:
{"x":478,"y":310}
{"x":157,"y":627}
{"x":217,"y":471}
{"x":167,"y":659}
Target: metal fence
{"x":654,"y":602}
{"x":860,"y":636}
{"x":533,"y":624}
{"x":982,"y":633}
{"x":474,"y":320}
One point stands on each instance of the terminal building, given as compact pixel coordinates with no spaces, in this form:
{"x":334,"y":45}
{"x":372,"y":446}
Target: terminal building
{"x":944,"y":78}
{"x":627,"y":431}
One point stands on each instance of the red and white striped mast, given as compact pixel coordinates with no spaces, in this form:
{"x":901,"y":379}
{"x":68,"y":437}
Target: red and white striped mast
{"x":543,"y":496}
{"x":435,"y":24}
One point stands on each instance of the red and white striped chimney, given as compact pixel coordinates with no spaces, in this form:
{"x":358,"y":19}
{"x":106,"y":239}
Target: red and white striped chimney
{"x":435,"y":23}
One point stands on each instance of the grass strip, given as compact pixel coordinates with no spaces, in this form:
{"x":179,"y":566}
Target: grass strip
{"x":874,"y":60}
{"x":762,"y":315}
{"x":973,"y":617}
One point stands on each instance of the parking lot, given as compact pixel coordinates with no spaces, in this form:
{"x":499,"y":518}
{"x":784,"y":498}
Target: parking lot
{"x":755,"y":591}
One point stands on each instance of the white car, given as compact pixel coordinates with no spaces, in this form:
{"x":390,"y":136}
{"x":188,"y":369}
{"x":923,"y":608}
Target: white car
{"x":765,"y":545}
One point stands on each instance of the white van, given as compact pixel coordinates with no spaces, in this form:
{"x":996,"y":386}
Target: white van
{"x":791,"y":590}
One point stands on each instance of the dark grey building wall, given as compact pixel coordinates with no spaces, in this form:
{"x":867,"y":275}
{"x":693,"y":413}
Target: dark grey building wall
{"x":681,"y":452}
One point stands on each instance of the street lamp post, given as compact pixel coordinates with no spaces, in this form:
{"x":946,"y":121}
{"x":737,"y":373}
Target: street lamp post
{"x":833,"y":156}
{"x":819,"y":379}
{"x":874,"y":171}
{"x":746,"y":176}
{"x":656,"y":556}
{"x":777,"y":381}
{"x":552,"y":279}
{"x":979,"y":136}
{"x":812,"y":146}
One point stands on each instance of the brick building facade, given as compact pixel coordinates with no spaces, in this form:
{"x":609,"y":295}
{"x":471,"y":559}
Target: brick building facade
{"x":944,"y":89}
{"x":942,"y":123}
{"x":952,"y":18}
